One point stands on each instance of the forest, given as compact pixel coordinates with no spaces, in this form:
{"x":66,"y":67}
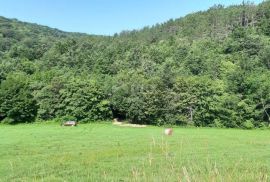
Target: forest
{"x":207,"y":69}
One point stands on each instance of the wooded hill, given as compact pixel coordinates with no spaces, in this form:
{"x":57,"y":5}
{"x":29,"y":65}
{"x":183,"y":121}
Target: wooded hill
{"x":209,"y":68}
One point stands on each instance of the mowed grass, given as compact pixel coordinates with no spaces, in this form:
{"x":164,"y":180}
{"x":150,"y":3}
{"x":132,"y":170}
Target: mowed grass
{"x":103,"y":152}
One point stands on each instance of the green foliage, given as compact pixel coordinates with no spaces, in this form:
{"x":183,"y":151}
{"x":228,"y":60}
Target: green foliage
{"x":84,"y":100}
{"x":209,"y":68}
{"x":49,"y":100}
{"x":8,"y":121}
{"x":248,"y":125}
{"x":264,"y":17}
{"x":218,"y":123}
{"x":17,"y":103}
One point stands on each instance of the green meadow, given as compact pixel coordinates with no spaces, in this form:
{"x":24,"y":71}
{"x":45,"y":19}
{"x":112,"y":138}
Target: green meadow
{"x":103,"y":152}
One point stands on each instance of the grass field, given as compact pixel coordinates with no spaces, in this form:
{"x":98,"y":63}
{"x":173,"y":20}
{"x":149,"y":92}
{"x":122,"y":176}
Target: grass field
{"x":102,"y":152}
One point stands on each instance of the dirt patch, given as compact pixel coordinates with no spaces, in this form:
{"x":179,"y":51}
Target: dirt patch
{"x":128,"y":125}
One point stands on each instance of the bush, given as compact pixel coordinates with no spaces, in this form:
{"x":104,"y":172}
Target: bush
{"x":248,"y":125}
{"x":8,"y":121}
{"x":85,"y":120}
{"x":183,"y":120}
{"x":263,"y":125}
{"x":68,"y":118}
{"x":217,"y":123}
{"x":84,"y":100}
{"x":62,"y":119}
{"x":17,"y":104}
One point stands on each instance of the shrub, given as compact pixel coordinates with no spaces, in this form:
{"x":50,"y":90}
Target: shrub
{"x":248,"y":125}
{"x":217,"y":123}
{"x":263,"y":125}
{"x":7,"y":121}
{"x":17,"y":104}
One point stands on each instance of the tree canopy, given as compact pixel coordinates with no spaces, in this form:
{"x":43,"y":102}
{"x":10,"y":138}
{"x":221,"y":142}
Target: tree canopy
{"x":210,"y":68}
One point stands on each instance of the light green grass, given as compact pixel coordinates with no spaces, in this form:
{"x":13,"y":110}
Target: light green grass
{"x":102,"y":152}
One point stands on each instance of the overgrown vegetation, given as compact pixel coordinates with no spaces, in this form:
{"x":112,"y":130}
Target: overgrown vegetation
{"x":207,"y":69}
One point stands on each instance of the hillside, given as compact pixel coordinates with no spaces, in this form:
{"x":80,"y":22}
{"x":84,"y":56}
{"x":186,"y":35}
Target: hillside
{"x":209,"y":68}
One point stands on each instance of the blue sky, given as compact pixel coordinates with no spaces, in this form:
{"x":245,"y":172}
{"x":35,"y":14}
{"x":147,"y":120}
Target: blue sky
{"x":103,"y":16}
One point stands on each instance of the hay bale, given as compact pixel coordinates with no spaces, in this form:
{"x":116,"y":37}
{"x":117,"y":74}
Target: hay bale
{"x":168,"y":131}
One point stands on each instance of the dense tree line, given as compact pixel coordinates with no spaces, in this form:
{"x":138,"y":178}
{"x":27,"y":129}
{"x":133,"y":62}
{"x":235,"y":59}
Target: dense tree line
{"x":209,"y":68}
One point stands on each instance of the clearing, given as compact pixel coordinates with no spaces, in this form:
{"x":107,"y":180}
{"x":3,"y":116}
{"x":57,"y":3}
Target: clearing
{"x":104,"y":152}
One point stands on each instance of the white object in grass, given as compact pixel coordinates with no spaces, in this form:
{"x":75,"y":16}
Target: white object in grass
{"x":168,"y":131}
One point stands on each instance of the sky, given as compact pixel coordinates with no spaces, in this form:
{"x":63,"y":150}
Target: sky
{"x":103,"y":17}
